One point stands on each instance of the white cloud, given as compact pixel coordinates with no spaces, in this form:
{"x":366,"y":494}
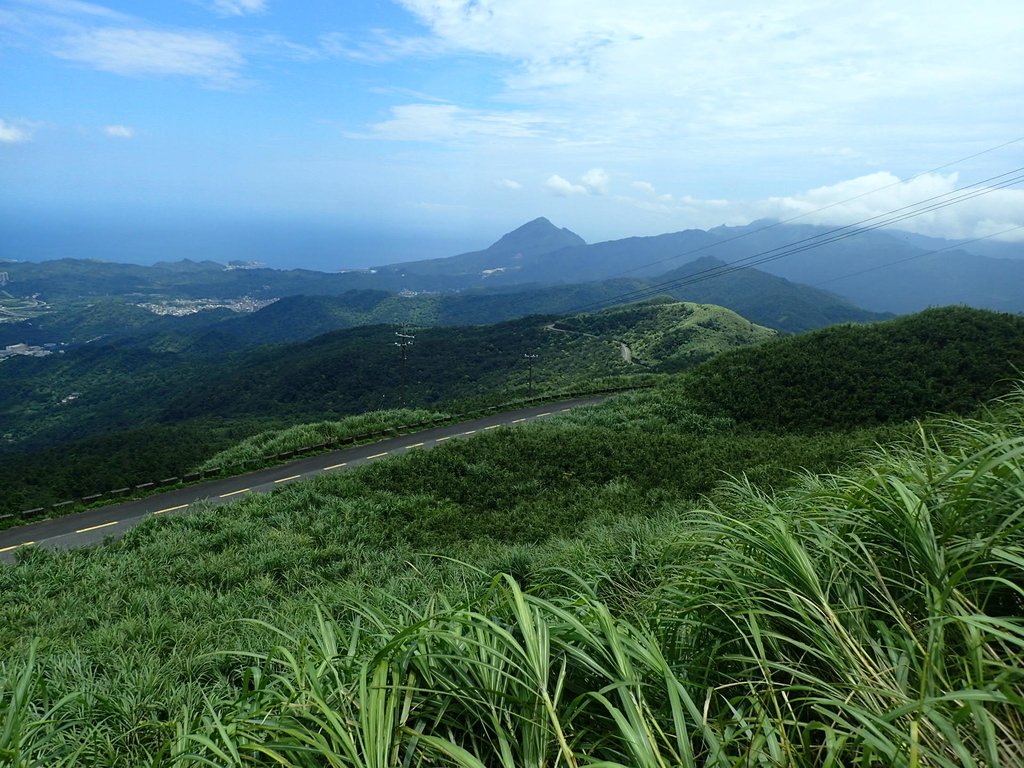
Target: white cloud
{"x":76,"y":8}
{"x":563,"y":187}
{"x":728,"y":84}
{"x":595,"y":181}
{"x":864,"y":200}
{"x":238,"y":7}
{"x":12,"y":134}
{"x":875,"y":195}
{"x":447,"y":122}
{"x":119,"y":131}
{"x":377,"y":46}
{"x":125,"y":51}
{"x":645,"y":187}
{"x":515,"y":186}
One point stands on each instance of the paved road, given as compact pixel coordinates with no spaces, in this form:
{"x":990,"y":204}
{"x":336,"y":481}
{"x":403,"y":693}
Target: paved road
{"x":95,"y":525}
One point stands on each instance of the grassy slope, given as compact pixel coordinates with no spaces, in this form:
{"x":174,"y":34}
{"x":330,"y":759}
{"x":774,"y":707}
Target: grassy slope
{"x":672,"y":335}
{"x":689,"y":590}
{"x":254,"y":448}
{"x":610,"y":493}
{"x":663,"y":333}
{"x":174,"y":590}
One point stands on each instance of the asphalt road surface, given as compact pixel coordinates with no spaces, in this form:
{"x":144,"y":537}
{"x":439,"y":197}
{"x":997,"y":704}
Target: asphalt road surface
{"x":95,"y":525}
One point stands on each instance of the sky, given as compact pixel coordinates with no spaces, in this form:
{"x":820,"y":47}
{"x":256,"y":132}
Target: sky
{"x":333,"y":133}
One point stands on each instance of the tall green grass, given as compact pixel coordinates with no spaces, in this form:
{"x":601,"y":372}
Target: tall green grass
{"x":868,"y":618}
{"x":255,"y":448}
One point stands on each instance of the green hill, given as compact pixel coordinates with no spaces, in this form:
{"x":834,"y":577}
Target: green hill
{"x":935,"y":361}
{"x":565,"y":591}
{"x":667,"y":335}
{"x":764,"y":298}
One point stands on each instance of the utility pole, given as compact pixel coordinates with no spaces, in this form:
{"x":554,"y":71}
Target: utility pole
{"x":529,"y":359}
{"x":403,"y":343}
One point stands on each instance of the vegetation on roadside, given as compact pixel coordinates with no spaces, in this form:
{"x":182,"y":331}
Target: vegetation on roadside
{"x":557,"y":593}
{"x":254,"y":449}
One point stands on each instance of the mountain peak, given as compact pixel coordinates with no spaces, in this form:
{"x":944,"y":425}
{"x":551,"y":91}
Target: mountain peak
{"x":538,"y":236}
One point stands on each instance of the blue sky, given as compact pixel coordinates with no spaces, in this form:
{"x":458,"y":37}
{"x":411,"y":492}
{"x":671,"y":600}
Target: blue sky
{"x":389,"y":129}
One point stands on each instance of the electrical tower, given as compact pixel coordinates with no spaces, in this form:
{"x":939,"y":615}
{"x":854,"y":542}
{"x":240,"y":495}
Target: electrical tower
{"x":529,"y":359}
{"x":403,"y":343}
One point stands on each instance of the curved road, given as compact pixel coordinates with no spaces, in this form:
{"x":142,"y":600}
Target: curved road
{"x":94,"y":525}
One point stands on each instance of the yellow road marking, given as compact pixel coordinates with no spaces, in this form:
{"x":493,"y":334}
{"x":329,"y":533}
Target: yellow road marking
{"x":377,"y":455}
{"x":97,"y":527}
{"x":233,"y":493}
{"x":23,"y":544}
{"x":170,"y":509}
{"x":336,"y":466}
{"x":415,"y":445}
{"x":286,"y":479}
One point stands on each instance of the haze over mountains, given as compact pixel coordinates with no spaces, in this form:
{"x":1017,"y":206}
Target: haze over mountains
{"x":882,"y":271}
{"x":804,"y":277}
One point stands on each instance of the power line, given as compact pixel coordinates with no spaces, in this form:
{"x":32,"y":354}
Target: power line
{"x":529,"y":359}
{"x":836,"y":234}
{"x":953,"y":247}
{"x":750,"y":233}
{"x":404,"y":341}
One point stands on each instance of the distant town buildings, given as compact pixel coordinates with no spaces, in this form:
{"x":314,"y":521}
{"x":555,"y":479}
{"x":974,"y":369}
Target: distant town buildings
{"x":26,"y":350}
{"x":181,"y":307}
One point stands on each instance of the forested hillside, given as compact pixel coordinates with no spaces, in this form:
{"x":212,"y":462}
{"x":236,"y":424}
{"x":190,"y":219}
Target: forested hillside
{"x":107,"y":416}
{"x":935,"y":361}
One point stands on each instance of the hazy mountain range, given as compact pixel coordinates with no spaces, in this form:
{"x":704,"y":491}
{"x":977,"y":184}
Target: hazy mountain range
{"x":791,"y":277}
{"x":881,"y":270}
